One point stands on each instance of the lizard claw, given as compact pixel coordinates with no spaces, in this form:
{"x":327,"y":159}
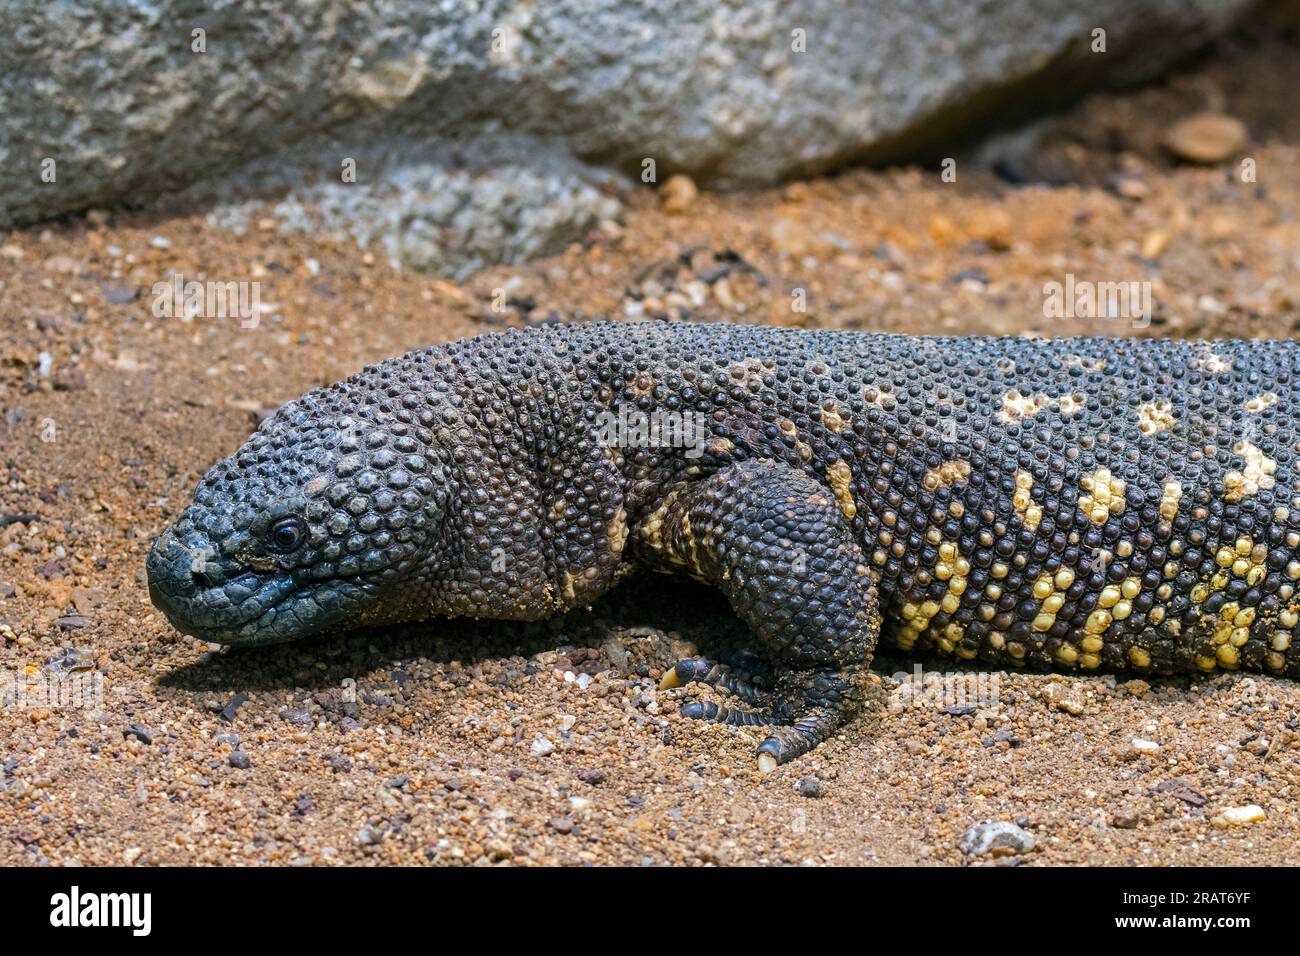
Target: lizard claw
{"x":708,"y":672}
{"x":671,"y":679}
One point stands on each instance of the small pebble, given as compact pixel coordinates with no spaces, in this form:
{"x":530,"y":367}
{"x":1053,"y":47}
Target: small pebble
{"x":139,"y":732}
{"x":678,"y":194}
{"x":1183,"y":791}
{"x":1258,"y":746}
{"x":1064,"y":698}
{"x":810,"y":787}
{"x":1125,"y":818}
{"x":240,"y":760}
{"x":232,"y":706}
{"x":998,"y":837}
{"x":1206,"y":138}
{"x":1238,"y":816}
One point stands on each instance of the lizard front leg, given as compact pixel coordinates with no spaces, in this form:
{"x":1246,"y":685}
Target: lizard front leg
{"x":776,"y":542}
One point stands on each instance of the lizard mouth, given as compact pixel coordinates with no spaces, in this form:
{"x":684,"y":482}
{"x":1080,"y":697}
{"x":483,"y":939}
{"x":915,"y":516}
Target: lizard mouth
{"x":250,"y":608}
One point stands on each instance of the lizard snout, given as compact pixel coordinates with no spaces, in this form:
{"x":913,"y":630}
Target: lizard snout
{"x":175,"y":576}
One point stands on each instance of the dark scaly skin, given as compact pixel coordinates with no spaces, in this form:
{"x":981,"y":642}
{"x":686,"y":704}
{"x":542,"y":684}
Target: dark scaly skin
{"x":1082,"y":504}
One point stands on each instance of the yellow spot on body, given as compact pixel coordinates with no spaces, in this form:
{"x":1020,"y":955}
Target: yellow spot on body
{"x":689,"y":534}
{"x":1084,"y":362}
{"x":1211,"y":363}
{"x":1261,"y":402}
{"x":1030,"y":514}
{"x":652,"y":526}
{"x":917,"y":617}
{"x":1155,"y":417}
{"x":1170,"y":496}
{"x":1103,"y":496}
{"x":1073,"y":404}
{"x":1067,"y":653}
{"x":1256,"y":476}
{"x":834,"y":418}
{"x":1139,"y":657}
{"x":1017,"y":407}
{"x":841,"y":478}
{"x":617,"y":531}
{"x":949,"y":473}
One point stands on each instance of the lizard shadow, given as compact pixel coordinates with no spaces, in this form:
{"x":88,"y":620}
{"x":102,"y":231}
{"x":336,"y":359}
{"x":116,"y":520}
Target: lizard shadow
{"x":643,"y":624}
{"x":635,"y":631}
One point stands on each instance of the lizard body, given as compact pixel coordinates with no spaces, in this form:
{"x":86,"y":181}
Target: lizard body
{"x":1081,"y":504}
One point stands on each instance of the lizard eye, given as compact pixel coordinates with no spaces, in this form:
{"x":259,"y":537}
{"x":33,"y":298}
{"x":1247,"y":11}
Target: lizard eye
{"x":287,"y":534}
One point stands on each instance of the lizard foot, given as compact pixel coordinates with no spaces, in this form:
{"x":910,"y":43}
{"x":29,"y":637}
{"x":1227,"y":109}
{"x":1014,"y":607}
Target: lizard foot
{"x":819,"y":702}
{"x":780,"y":546}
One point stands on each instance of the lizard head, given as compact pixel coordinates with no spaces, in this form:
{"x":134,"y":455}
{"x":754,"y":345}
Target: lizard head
{"x":325,"y":515}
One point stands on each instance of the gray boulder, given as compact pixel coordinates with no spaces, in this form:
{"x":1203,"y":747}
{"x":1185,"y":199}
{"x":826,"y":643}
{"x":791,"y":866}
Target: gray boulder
{"x":735,"y":92}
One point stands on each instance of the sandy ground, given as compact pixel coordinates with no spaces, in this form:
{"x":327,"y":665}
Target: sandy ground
{"x":488,"y":743}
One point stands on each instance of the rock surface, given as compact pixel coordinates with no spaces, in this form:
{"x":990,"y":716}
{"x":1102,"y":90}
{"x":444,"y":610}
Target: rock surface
{"x":130,"y":99}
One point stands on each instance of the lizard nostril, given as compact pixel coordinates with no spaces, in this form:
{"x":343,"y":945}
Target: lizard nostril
{"x":201,"y":578}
